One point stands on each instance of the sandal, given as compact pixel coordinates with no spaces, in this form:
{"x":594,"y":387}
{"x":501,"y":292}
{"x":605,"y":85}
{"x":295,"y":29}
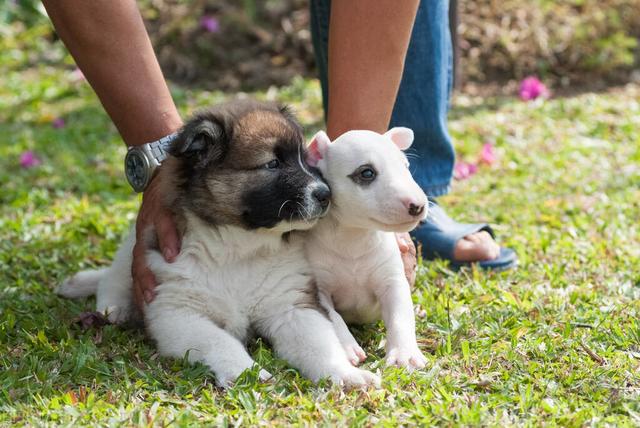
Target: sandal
{"x":439,"y":234}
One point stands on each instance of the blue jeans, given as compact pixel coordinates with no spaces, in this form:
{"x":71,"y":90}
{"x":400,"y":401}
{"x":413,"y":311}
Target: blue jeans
{"x":423,"y":98}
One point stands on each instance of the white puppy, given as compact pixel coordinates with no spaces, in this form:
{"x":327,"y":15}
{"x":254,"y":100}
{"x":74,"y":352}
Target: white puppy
{"x":238,"y":188}
{"x":353,"y":250}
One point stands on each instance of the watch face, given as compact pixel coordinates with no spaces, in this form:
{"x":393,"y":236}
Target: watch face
{"x":136,"y":168}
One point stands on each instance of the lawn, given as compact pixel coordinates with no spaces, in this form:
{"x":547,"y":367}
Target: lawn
{"x":555,"y":342}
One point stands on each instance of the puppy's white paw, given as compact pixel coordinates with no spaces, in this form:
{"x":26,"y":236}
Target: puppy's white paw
{"x":227,"y":378}
{"x":355,"y":354}
{"x":353,"y":378}
{"x":408,"y":357}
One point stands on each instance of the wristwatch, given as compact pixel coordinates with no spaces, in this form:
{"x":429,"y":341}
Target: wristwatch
{"x":141,"y":161}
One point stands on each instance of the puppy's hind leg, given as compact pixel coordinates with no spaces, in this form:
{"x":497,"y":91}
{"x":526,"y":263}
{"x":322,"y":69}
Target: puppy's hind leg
{"x":114,"y":296}
{"x":306,"y":338}
{"x":82,"y":284}
{"x":179,"y":331}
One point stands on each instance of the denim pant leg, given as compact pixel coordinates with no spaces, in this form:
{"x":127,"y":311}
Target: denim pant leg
{"x":423,"y":98}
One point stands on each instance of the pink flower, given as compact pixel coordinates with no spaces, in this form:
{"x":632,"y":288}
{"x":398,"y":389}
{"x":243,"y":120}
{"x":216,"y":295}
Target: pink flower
{"x":463,"y":170}
{"x":210,"y":23}
{"x":57,"y":123}
{"x":487,"y":154}
{"x":77,"y":75}
{"x":532,"y":88}
{"x":29,"y":159}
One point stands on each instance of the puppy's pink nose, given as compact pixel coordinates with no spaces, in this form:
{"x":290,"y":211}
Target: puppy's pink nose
{"x":414,"y":207}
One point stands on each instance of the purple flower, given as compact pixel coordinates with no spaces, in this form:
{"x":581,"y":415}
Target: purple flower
{"x":58,"y":123}
{"x":210,"y":23}
{"x":532,"y":88}
{"x":487,"y":154}
{"x":29,"y":159}
{"x":463,"y":170}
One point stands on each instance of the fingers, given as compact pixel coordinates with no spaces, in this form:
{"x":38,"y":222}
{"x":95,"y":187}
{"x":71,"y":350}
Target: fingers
{"x":144,"y":281}
{"x":167,"y":233}
{"x":408,"y":254}
{"x":410,"y":274}
{"x":402,"y":241}
{"x":153,"y":214}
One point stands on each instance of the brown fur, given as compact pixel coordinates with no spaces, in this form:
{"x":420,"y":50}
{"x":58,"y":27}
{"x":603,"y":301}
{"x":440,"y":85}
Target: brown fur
{"x":212,"y":184}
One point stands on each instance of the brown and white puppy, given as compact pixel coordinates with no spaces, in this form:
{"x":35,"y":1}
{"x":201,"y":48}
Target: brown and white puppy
{"x":238,"y":185}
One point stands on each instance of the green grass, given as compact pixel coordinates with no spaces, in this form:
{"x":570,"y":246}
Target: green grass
{"x":555,"y":342}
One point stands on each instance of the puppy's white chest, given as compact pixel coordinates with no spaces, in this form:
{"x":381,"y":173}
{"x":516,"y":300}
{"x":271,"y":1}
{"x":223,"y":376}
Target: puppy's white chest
{"x":354,"y":272}
{"x":352,"y":282}
{"x":352,"y":294}
{"x":230,"y":288}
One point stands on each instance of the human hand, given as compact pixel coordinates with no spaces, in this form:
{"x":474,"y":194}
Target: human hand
{"x":153,"y":214}
{"x":408,"y":254}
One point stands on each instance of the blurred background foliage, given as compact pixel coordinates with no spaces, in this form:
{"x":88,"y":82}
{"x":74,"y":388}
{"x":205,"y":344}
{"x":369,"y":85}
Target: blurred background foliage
{"x":250,"y":44}
{"x":569,"y":41}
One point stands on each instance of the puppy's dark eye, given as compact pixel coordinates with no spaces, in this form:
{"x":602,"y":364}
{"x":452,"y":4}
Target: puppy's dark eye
{"x":272,"y":164}
{"x":365,"y":174}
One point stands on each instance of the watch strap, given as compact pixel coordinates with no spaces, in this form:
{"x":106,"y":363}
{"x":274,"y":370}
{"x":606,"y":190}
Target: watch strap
{"x":159,"y":148}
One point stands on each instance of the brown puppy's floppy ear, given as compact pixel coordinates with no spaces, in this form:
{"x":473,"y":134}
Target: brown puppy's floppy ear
{"x":202,"y":140}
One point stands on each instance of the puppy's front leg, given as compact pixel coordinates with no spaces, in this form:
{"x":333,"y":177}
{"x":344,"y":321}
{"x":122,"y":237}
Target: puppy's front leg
{"x":185,"y":331}
{"x":354,"y":352}
{"x":307,"y":339}
{"x":397,"y":313}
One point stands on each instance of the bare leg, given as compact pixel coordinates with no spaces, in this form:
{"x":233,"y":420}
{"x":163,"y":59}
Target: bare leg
{"x":368,"y":43}
{"x":109,"y":42}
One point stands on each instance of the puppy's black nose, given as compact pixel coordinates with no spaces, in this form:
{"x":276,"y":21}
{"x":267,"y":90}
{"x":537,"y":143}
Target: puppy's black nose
{"x":322,"y":195}
{"x":416,"y":210}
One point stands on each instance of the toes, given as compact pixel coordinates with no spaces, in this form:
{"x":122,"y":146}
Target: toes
{"x":365,"y":378}
{"x":355,"y":354}
{"x":372,"y":379}
{"x":418,"y":361}
{"x":408,"y":359}
{"x":490,"y":246}
{"x":475,"y":238}
{"x":352,"y":355}
{"x":356,"y":378}
{"x":478,"y":246}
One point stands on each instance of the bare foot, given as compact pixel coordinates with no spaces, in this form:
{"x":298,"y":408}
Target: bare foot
{"x":476,"y":247}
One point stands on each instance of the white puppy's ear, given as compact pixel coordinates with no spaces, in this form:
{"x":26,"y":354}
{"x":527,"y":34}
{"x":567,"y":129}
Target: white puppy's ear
{"x":401,"y":136}
{"x":317,"y":148}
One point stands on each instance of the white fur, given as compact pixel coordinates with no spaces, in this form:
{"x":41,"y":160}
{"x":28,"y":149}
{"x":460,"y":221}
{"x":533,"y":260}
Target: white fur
{"x":225,"y":283}
{"x":353,"y":252}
